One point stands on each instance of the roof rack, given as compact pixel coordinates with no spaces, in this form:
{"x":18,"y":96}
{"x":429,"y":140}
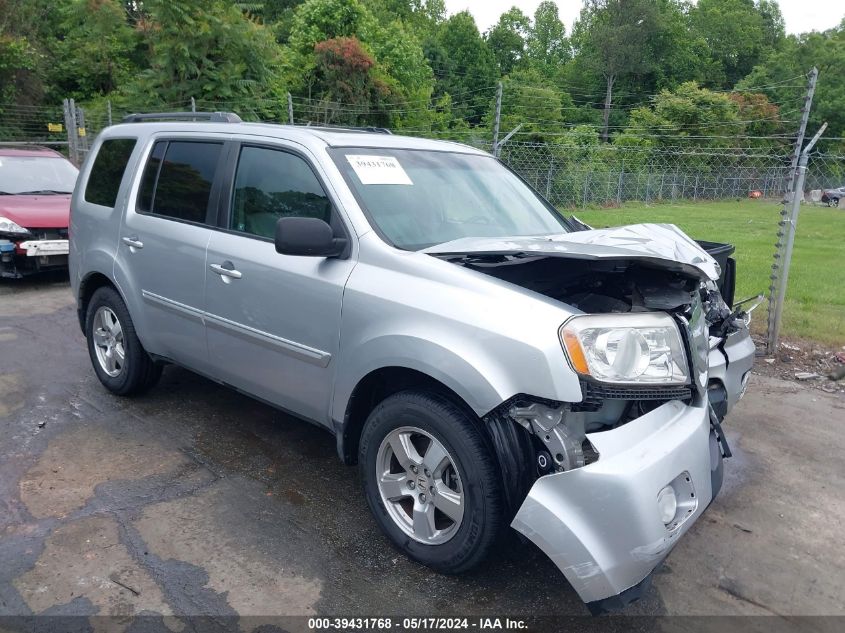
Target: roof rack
{"x":213,"y":117}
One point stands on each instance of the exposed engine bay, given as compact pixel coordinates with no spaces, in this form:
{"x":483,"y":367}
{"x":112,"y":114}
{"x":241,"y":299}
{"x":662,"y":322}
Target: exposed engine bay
{"x":535,"y":437}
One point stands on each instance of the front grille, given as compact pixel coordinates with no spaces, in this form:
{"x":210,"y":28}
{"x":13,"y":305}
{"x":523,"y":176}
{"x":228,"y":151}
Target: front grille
{"x":595,"y":394}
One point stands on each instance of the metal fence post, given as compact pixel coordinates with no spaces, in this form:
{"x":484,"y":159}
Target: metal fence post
{"x":108,"y":111}
{"x":68,"y":129}
{"x":193,"y":105}
{"x":619,"y":184}
{"x":802,"y":129}
{"x":789,"y":227}
{"x":619,"y":188}
{"x":81,"y":131}
{"x":497,"y":120}
{"x":290,"y":109}
{"x":73,"y":133}
{"x":586,"y":187}
{"x":792,"y":191}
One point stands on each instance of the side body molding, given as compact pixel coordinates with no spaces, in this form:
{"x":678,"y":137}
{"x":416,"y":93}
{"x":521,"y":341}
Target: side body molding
{"x":292,"y":348}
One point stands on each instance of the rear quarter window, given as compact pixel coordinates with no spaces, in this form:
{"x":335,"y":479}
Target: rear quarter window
{"x":107,"y":171}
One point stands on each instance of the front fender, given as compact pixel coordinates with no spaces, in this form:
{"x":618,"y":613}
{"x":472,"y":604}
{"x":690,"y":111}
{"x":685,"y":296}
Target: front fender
{"x":478,"y":389}
{"x":484,"y":340}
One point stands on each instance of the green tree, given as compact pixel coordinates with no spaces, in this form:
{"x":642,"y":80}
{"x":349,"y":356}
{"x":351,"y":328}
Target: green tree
{"x":318,"y":20}
{"x":547,"y":46}
{"x":210,"y":50}
{"x":470,"y":70}
{"x":278,"y":16}
{"x":776,"y":77}
{"x":26,"y":27}
{"x":529,"y":101}
{"x":507,"y":39}
{"x":708,"y":118}
{"x":345,"y":74}
{"x":680,"y":53}
{"x":95,"y":52}
{"x":398,"y":58}
{"x":613,"y":41}
{"x":739,"y":35}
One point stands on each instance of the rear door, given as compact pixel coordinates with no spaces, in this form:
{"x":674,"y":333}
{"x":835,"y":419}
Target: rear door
{"x":273,"y":321}
{"x":162,"y":248}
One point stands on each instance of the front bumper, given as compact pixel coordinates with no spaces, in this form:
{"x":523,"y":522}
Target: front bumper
{"x":600,"y":524}
{"x":18,"y":259}
{"x":730,"y":366}
{"x":39,"y":248}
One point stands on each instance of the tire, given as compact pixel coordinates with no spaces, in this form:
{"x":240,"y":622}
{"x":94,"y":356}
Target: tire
{"x":135,"y":372}
{"x":833,"y":202}
{"x":452,"y":546}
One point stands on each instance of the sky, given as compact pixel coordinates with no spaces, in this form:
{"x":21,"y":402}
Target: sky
{"x":800,"y":15}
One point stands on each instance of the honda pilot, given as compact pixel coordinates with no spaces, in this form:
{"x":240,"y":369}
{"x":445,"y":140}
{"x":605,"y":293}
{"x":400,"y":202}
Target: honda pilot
{"x":487,"y":362}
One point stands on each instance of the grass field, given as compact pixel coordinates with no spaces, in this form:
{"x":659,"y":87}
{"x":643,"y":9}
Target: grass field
{"x":815,"y":302}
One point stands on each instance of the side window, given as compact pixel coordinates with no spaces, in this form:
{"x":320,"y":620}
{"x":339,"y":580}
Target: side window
{"x":107,"y":171}
{"x":177,"y":179}
{"x":271,"y":184}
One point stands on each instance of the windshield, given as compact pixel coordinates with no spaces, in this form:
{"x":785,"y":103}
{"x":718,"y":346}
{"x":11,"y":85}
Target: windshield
{"x":36,"y":174}
{"x":419,"y":198}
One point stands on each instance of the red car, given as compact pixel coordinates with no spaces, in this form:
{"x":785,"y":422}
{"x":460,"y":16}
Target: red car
{"x":35,"y":188}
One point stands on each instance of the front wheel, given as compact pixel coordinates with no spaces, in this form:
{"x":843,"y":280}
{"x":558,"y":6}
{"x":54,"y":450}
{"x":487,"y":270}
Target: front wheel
{"x":833,"y":202}
{"x":430,"y":480}
{"x":120,"y":361}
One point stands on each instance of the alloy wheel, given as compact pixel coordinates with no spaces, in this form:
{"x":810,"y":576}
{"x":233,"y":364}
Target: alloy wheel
{"x":108,"y":341}
{"x":420,"y":485}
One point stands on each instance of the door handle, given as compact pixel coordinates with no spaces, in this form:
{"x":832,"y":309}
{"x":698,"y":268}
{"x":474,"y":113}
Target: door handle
{"x":226,"y":269}
{"x":133,"y":241}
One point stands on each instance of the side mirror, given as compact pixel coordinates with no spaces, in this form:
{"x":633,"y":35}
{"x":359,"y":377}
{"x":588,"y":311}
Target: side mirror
{"x":310,"y":237}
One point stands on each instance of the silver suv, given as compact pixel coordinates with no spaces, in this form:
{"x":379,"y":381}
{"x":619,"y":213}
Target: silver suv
{"x":486,"y":361}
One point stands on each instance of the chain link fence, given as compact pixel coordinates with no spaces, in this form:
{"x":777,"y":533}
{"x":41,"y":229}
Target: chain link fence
{"x":572,"y":177}
{"x":570,"y":173}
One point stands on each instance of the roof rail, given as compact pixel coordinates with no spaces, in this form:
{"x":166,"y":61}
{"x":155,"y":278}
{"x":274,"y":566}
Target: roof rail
{"x":346,"y":128}
{"x":213,"y":117}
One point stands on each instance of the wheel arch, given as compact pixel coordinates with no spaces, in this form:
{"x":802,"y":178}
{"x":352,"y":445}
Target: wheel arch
{"x":89,"y":284}
{"x":372,"y":389}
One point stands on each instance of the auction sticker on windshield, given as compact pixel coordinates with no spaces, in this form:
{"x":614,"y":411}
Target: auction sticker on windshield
{"x":378,"y":170}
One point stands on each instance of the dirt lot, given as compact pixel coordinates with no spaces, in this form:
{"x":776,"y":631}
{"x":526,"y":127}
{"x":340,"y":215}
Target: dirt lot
{"x":197,"y":500}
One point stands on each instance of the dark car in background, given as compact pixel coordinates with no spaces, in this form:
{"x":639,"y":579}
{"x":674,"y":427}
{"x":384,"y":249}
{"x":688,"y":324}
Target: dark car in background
{"x":35,"y":188}
{"x":831,"y":197}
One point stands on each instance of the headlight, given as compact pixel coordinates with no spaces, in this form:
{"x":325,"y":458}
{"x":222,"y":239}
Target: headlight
{"x":7,"y":226}
{"x":626,"y":348}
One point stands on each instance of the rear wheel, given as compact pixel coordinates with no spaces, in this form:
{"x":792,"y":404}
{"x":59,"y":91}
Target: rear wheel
{"x":119,"y":359}
{"x":430,"y":480}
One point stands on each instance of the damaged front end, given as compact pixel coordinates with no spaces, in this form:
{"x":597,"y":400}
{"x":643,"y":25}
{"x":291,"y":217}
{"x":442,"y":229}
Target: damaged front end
{"x":32,"y":250}
{"x":607,"y":485}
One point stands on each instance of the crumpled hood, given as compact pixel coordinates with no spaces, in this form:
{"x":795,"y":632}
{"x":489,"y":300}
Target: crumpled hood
{"x":663,"y":245}
{"x":37,"y":212}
